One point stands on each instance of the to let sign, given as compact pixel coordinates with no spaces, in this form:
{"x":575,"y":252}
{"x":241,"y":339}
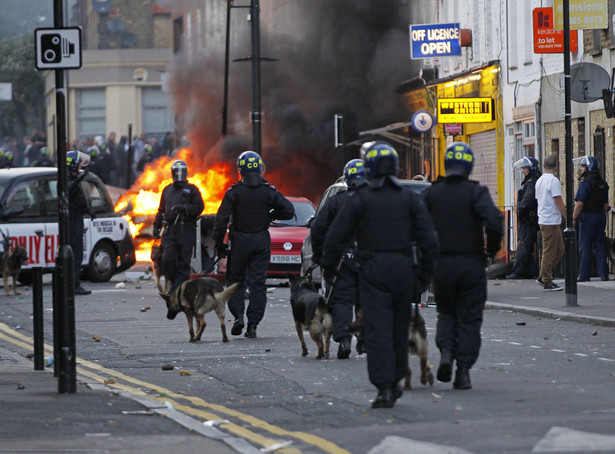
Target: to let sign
{"x":435,"y":40}
{"x":465,"y":110}
{"x":584,"y":14}
{"x":548,"y":40}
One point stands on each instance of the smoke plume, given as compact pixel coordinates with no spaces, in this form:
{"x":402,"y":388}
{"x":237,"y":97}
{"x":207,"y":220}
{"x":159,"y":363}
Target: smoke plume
{"x":334,"y":57}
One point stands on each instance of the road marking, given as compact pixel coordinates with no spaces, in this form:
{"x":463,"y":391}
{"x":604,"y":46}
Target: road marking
{"x":16,"y":338}
{"x":563,"y":439}
{"x":400,"y":445}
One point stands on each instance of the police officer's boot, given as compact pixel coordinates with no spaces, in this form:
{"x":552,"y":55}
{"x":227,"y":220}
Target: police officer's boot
{"x":445,"y":370}
{"x":251,"y":331}
{"x":237,"y":326}
{"x":462,"y":378}
{"x":384,"y":399}
{"x":343,"y":351}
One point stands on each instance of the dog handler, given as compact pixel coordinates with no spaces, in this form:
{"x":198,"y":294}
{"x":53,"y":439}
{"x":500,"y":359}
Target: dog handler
{"x":249,"y":206}
{"x":344,"y":294}
{"x":386,"y":219}
{"x":460,"y":208}
{"x":77,"y":207}
{"x":180,"y":206}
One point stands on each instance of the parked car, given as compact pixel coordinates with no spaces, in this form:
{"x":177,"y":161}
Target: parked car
{"x":29,"y":216}
{"x":286,"y":242}
{"x":339,"y":186}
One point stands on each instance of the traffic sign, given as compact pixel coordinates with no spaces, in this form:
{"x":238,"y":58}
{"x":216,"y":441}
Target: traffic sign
{"x":58,"y":48}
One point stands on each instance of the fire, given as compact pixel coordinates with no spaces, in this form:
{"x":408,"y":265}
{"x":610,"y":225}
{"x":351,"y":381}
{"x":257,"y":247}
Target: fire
{"x":140,"y":203}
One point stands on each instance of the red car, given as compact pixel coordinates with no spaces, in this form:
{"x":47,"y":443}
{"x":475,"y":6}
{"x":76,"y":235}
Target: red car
{"x":286,"y":242}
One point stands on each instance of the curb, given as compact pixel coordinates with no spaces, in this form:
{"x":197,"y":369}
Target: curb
{"x":552,"y":313}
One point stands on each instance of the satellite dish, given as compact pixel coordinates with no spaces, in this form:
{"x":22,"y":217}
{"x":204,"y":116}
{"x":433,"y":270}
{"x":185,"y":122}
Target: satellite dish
{"x":587,"y":80}
{"x":130,"y":39}
{"x":101,"y":6}
{"x":115,"y":25}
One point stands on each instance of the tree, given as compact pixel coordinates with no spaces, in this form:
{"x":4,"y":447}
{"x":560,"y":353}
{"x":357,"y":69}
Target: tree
{"x":26,"y":110}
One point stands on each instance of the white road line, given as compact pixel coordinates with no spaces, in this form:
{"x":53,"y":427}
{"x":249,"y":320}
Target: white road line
{"x":563,"y":439}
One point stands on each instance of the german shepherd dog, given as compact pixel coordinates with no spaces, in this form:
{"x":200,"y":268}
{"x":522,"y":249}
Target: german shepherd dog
{"x":195,"y":298}
{"x":417,"y":343}
{"x":310,"y":314}
{"x":157,"y":269}
{"x":11,"y":262}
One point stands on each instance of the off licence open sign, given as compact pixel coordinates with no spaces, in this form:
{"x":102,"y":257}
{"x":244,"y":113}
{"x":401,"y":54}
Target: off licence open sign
{"x":465,"y":110}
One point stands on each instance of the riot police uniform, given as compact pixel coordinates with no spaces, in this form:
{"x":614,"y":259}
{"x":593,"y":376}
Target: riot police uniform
{"x":45,"y":159}
{"x":527,"y":221}
{"x":460,"y":208}
{"x":592,"y":201}
{"x":344,"y":296}
{"x":77,"y":207}
{"x":387,"y":221}
{"x":180,"y":206}
{"x":247,"y":210}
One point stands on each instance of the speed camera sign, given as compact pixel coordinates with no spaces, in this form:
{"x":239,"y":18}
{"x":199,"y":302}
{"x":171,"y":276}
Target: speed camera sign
{"x":58,"y":48}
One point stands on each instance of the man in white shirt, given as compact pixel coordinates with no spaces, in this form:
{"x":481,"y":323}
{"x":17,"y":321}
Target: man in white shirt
{"x":551,"y":210}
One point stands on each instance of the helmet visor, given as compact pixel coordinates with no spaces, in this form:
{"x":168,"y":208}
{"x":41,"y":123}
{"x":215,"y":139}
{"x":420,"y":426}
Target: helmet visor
{"x":582,"y":161}
{"x":523,"y":162}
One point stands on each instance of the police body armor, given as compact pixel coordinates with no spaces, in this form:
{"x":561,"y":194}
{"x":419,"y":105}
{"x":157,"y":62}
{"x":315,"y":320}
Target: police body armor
{"x":252,"y":205}
{"x":598,"y":195}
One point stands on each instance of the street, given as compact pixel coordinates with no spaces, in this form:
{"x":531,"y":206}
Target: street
{"x":540,"y":385}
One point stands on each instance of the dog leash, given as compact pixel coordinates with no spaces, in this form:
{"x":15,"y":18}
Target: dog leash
{"x":211,"y":267}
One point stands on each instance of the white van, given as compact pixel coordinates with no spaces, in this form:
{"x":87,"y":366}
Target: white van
{"x":29,"y":217}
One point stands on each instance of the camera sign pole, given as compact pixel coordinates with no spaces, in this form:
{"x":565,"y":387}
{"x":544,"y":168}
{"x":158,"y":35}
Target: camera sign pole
{"x":58,"y":49}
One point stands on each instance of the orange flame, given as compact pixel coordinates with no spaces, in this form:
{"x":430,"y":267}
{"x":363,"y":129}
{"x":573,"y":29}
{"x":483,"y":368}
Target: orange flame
{"x":142,"y":200}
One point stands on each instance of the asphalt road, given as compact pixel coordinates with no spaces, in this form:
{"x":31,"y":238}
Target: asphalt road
{"x":540,"y":385}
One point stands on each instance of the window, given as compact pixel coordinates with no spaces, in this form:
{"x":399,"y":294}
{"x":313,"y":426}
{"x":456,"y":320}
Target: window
{"x":96,"y":198}
{"x":50,"y":192}
{"x":157,"y":118}
{"x":25,"y":195}
{"x":91,"y":114}
{"x":581,"y":136}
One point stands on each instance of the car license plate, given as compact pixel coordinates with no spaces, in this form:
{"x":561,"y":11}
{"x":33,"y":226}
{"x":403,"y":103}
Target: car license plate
{"x":285,"y":259}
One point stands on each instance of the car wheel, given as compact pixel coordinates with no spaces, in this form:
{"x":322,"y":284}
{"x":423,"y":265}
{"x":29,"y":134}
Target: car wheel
{"x":103,"y":262}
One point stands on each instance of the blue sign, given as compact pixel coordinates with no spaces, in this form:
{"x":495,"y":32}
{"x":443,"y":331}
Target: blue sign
{"x":422,"y":121}
{"x":435,"y":40}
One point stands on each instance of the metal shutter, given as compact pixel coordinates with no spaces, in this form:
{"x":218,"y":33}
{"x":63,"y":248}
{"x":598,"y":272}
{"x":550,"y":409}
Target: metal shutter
{"x":484,"y":146}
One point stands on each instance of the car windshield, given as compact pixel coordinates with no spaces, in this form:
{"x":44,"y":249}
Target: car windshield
{"x":303,"y":211}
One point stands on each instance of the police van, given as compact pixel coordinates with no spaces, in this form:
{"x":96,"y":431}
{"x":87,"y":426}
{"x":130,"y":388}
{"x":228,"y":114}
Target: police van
{"x":29,"y":218}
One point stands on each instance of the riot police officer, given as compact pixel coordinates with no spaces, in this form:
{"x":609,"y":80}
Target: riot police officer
{"x":344,"y":294}
{"x":180,"y":206}
{"x":591,"y":205}
{"x":77,"y":207}
{"x":45,"y":159}
{"x":460,"y":209}
{"x":527,"y":220}
{"x":249,"y":206}
{"x":387,"y":221}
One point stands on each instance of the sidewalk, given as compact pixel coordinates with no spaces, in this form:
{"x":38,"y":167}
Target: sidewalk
{"x":595,"y":300}
{"x":35,"y":418}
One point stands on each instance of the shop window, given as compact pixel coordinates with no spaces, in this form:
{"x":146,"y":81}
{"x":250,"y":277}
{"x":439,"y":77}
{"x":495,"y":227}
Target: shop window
{"x":91,"y":113}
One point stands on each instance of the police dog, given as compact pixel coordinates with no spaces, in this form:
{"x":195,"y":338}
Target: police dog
{"x":157,"y":269}
{"x":12,"y":262}
{"x":195,"y":298}
{"x":417,"y":343}
{"x":310,"y":313}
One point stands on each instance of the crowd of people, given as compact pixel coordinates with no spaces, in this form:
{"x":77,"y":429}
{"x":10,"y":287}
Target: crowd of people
{"x":108,"y":157}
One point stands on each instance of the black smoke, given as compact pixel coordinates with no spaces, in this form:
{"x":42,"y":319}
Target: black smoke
{"x":338,"y":57}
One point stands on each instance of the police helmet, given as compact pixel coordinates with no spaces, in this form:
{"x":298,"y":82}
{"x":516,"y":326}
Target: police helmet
{"x":9,"y":156}
{"x":92,"y":151}
{"x":179,"y":170}
{"x":529,"y":162}
{"x":354,"y":171}
{"x":73,"y":159}
{"x":458,"y":159}
{"x":45,"y":152}
{"x":148,"y":148}
{"x":2,"y":152}
{"x":249,"y":162}
{"x":381,"y":159}
{"x":590,"y":163}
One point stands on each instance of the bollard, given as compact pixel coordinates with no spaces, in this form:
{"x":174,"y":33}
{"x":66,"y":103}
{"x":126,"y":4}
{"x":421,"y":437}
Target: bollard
{"x":37,"y":312}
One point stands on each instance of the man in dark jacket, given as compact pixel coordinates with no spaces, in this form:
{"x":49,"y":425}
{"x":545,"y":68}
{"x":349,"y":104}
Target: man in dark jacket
{"x":180,"y":206}
{"x":527,"y":220}
{"x":247,"y":209}
{"x":344,"y":294}
{"x":77,"y":207}
{"x":591,"y":205}
{"x":462,"y":211}
{"x":388,"y":221}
